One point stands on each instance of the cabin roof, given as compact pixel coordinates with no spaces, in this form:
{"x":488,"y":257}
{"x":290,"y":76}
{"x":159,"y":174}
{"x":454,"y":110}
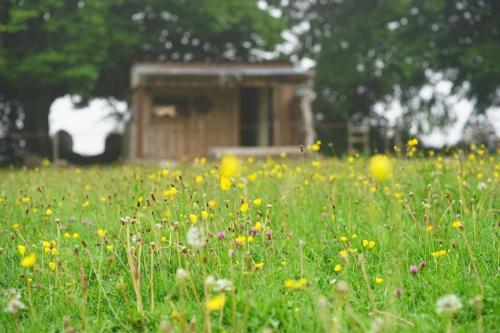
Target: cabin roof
{"x":239,"y":71}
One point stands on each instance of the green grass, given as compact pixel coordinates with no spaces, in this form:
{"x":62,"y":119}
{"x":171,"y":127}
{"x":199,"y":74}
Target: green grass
{"x":308,"y":207}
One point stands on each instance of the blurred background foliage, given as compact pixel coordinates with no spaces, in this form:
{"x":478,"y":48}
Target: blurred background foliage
{"x":366,"y":51}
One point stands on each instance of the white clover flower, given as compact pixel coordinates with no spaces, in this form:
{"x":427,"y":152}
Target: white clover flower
{"x":223,"y":285}
{"x":377,"y":325}
{"x":196,"y":238}
{"x":14,"y":303}
{"x":181,"y":274}
{"x":448,"y":304}
{"x":209,"y":281}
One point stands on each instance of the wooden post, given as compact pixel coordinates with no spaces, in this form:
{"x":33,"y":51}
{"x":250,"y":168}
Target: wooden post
{"x":55,"y":148}
{"x":306,"y":94}
{"x":139,"y":126}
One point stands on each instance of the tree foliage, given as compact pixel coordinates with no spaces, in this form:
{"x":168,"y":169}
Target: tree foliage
{"x":52,"y":48}
{"x":370,"y":51}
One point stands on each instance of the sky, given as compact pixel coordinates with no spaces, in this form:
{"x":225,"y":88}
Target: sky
{"x":88,"y":126}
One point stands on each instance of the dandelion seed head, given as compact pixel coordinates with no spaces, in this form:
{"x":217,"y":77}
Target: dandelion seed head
{"x":448,"y":304}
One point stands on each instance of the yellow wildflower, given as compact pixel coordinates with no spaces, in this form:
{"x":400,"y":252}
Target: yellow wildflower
{"x":295,"y":284}
{"x":258,"y":226}
{"x":413,"y":142}
{"x":230,"y":167}
{"x":101,"y":233}
{"x":52,"y":265}
{"x":244,"y":207}
{"x":252,"y":177}
{"x":225,"y":183}
{"x":216,"y":303}
{"x":21,"y":249}
{"x":457,"y":224}
{"x":241,"y":240}
{"x":193,"y":218}
{"x":380,"y":167}
{"x":440,"y":253}
{"x":170,"y":193}
{"x":379,"y":280}
{"x":337,"y":268}
{"x":257,"y":202}
{"x":29,"y":260}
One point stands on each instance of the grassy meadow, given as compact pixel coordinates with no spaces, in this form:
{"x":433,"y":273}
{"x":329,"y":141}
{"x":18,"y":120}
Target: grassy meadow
{"x":278,"y":245}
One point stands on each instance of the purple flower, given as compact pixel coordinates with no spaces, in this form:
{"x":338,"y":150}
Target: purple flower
{"x":221,"y":235}
{"x":421,"y":265}
{"x":398,"y":292}
{"x":269,"y":234}
{"x":413,"y":269}
{"x":253,"y":231}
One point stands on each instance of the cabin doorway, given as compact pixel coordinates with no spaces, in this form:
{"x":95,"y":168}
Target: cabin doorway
{"x":255,"y":117}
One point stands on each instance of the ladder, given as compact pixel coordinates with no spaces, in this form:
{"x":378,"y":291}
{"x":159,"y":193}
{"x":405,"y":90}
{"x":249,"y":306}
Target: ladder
{"x":358,"y":134}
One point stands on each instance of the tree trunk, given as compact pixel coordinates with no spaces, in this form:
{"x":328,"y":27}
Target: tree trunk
{"x":36,"y":125}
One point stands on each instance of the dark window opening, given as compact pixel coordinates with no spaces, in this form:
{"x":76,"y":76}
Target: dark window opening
{"x":249,"y":116}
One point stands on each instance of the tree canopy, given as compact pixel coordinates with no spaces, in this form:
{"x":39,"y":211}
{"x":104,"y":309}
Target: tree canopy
{"x":56,"y":47}
{"x":365,"y":51}
{"x":370,"y":51}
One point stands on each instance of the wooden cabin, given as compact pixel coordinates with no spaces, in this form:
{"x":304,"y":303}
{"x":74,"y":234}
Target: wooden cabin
{"x":185,"y":110}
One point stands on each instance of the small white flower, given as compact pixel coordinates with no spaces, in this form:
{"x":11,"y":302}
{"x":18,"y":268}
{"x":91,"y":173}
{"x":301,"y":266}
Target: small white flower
{"x":196,"y":238}
{"x":209,"y":281}
{"x":181,"y":274}
{"x":481,"y":186}
{"x":223,"y":285}
{"x":14,"y":303}
{"x":126,"y":220}
{"x":448,"y":304}
{"x":377,"y":325}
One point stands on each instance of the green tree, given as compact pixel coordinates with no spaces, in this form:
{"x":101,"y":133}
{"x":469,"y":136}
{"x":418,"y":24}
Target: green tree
{"x":52,"y":48}
{"x":370,"y":51}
